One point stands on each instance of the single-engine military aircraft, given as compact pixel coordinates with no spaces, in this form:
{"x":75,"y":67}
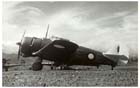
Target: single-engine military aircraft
{"x":65,"y":53}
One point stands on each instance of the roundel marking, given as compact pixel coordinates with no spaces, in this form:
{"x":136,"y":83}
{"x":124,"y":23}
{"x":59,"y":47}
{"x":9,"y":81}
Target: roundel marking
{"x":91,"y":56}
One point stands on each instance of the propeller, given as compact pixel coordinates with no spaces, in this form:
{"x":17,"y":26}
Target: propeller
{"x":20,"y":44}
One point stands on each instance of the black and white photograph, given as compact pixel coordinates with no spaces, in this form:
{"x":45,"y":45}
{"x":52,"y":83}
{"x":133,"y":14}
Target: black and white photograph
{"x":69,"y":43}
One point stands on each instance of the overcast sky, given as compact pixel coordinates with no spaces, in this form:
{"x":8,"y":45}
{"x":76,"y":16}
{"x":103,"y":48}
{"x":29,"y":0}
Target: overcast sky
{"x":97,"y":25}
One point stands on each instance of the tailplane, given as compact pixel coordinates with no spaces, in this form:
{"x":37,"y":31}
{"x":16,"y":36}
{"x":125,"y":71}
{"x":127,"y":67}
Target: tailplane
{"x":118,"y":54}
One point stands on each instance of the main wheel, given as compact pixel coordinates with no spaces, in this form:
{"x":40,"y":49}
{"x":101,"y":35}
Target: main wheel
{"x":37,"y":66}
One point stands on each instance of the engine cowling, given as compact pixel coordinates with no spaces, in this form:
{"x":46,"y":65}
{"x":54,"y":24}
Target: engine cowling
{"x":30,"y":45}
{"x":25,"y":48}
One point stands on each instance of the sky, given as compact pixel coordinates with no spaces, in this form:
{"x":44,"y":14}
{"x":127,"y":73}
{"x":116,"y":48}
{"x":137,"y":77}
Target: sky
{"x":96,"y":25}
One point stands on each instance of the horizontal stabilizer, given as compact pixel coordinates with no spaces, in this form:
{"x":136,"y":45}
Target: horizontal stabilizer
{"x":119,"y":59}
{"x":119,"y":49}
{"x":118,"y":54}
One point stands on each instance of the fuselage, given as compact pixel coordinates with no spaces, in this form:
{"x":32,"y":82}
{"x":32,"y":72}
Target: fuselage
{"x":63,"y":52}
{"x":82,"y":57}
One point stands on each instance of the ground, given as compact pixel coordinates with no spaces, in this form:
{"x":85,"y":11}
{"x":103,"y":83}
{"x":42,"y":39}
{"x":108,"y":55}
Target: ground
{"x":83,"y":76}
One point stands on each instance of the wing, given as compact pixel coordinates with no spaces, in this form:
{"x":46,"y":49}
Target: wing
{"x":58,"y":50}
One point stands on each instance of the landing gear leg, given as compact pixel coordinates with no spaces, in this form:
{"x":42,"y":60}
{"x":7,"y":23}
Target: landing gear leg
{"x":61,"y":67}
{"x":112,"y":67}
{"x":53,"y":67}
{"x":97,"y":66}
{"x":37,"y":65}
{"x":64,"y":67}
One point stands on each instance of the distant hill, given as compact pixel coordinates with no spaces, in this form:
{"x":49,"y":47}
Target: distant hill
{"x":9,"y":49}
{"x":9,"y":56}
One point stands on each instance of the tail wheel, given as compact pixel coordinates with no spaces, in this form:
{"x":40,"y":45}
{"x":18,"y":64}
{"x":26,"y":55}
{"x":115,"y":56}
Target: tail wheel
{"x":37,"y":66}
{"x":98,"y":66}
{"x":52,"y":68}
{"x":112,"y":67}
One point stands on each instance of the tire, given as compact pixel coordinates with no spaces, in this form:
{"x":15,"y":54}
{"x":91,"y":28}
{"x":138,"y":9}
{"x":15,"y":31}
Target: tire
{"x":37,"y":66}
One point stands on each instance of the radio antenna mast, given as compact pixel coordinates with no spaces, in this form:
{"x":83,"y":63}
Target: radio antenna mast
{"x":47,"y":31}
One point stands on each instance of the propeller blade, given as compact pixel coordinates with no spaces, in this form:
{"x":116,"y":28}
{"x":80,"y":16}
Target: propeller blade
{"x":19,"y":53}
{"x":20,"y":44}
{"x":23,"y":36}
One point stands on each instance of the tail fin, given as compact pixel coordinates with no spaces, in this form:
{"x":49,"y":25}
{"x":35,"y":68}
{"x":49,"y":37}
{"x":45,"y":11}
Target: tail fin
{"x":118,"y":54}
